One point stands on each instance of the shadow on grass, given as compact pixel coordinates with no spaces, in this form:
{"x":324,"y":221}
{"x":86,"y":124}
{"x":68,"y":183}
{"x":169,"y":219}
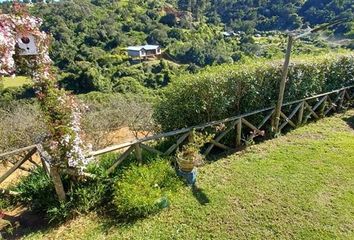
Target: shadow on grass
{"x":111,"y":219}
{"x":199,"y":194}
{"x":349,"y":121}
{"x":24,"y":223}
{"x":30,"y":223}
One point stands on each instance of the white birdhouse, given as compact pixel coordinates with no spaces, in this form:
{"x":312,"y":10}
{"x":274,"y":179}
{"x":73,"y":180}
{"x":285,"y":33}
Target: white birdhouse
{"x":27,"y":45}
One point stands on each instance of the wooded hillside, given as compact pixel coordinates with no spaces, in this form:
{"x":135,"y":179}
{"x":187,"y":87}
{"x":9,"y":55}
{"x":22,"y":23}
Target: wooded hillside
{"x":91,"y":36}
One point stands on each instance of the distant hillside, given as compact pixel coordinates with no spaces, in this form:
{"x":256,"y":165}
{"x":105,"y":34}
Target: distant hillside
{"x":90,"y":36}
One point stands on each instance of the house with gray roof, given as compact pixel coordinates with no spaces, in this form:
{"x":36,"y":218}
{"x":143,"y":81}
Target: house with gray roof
{"x":144,"y":51}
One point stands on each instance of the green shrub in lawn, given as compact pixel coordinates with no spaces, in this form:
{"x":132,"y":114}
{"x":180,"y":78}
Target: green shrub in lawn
{"x":92,"y":194}
{"x":36,"y":189}
{"x":222,"y":91}
{"x":37,"y":192}
{"x":138,"y":192}
{"x":143,"y":190}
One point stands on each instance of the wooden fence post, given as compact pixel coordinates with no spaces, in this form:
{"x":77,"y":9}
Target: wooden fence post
{"x":238,"y":132}
{"x":342,"y":100}
{"x":322,"y":108}
{"x":53,"y":172}
{"x":138,"y":153}
{"x":58,"y":184}
{"x":45,"y":158}
{"x":282,"y":84}
{"x":300,"y":116}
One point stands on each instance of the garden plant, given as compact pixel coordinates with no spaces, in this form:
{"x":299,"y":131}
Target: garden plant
{"x":61,"y":111}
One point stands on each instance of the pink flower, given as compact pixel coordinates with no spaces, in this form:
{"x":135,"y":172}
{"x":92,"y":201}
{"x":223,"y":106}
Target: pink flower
{"x":68,"y":140}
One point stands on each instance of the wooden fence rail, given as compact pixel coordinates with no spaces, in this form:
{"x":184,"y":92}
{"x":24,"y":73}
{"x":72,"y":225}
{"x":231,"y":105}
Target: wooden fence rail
{"x":300,"y":112}
{"x":29,"y":152}
{"x":293,"y":115}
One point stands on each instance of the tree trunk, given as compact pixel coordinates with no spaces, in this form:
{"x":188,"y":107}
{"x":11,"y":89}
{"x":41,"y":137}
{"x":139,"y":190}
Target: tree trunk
{"x":58,"y":184}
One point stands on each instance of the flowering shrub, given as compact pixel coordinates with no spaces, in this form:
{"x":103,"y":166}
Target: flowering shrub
{"x":61,"y":112}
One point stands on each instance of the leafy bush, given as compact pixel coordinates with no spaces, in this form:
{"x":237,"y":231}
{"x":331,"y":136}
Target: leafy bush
{"x":128,"y":85}
{"x":143,"y":190}
{"x":136,"y":192}
{"x":37,"y":192}
{"x":59,"y":212}
{"x":224,"y":91}
{"x":92,"y":194}
{"x":37,"y":189}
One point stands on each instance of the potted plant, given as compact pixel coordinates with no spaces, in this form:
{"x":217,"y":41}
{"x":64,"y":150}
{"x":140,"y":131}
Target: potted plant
{"x":189,"y":156}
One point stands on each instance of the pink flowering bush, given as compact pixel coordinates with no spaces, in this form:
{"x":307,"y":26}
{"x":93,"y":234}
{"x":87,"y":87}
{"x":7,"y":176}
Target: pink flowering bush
{"x":62,"y":113}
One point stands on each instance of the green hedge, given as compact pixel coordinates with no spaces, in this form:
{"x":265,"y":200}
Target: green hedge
{"x":227,"y":90}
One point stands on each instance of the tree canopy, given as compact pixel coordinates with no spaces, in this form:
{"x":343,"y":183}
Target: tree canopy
{"x":90,"y":36}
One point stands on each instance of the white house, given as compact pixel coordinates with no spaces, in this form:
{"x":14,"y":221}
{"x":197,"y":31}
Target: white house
{"x":144,"y":51}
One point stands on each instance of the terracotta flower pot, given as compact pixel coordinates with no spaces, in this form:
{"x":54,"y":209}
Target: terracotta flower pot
{"x":187,"y":162}
{"x":186,"y":165}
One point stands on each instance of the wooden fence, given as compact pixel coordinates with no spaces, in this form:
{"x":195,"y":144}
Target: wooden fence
{"x":293,"y":115}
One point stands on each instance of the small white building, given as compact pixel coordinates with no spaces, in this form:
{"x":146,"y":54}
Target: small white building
{"x":144,"y":51}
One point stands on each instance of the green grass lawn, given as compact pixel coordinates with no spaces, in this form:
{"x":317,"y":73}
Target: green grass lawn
{"x":299,"y":186}
{"x":15,"y":82}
